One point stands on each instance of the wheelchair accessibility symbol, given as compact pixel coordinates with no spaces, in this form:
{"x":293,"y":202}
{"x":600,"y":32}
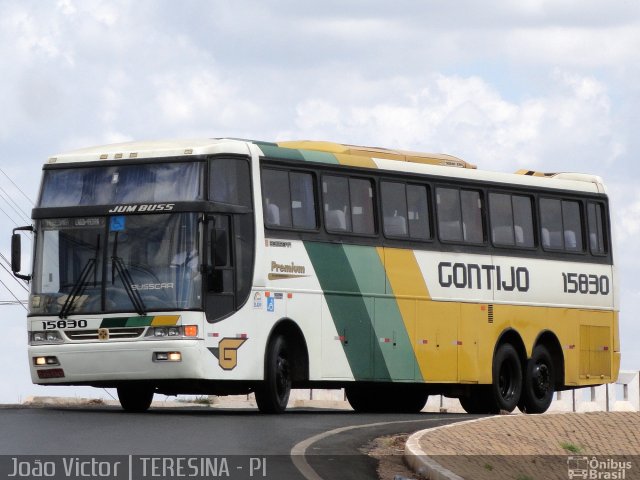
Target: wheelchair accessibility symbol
{"x":271,"y":304}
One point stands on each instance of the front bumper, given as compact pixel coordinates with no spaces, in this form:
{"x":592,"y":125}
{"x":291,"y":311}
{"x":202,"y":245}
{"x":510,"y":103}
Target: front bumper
{"x":118,"y":361}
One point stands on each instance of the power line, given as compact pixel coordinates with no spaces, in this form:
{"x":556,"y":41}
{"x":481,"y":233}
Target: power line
{"x":11,"y":273}
{"x":21,"y":302}
{"x":7,"y":215}
{"x":6,"y":303}
{"x":12,"y":203}
{"x":14,"y":184}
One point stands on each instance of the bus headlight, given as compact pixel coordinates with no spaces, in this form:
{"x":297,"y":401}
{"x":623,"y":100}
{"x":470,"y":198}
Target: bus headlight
{"x":167,"y":357}
{"x":49,"y":336}
{"x":173,"y":332}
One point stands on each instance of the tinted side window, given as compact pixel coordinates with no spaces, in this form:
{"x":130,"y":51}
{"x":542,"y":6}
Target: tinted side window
{"x":337,"y":212}
{"x":501,"y":215}
{"x":523,"y":221}
{"x":303,"y":205}
{"x":460,"y":215}
{"x":449,"y":215}
{"x":561,"y":225}
{"x":471,"y":204}
{"x":230,"y":181}
{"x":418,"y":214}
{"x":572,"y":222}
{"x":394,"y":209}
{"x":288,"y":199}
{"x":348,"y":204}
{"x":361,"y":206}
{"x":595,"y":214}
{"x":511,"y":220}
{"x":276,"y":198}
{"x":405,"y":210}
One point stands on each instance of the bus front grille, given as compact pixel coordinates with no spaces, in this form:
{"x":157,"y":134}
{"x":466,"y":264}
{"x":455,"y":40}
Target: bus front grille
{"x":114,"y":334}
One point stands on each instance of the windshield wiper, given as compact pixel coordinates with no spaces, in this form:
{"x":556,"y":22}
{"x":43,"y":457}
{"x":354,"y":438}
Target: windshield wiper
{"x":118,"y":265}
{"x":78,"y":288}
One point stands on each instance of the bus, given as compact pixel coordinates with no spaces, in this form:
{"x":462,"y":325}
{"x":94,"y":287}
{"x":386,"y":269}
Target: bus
{"x":229,"y":266}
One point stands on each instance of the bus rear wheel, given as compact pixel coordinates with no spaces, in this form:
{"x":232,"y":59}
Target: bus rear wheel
{"x":135,"y":398}
{"x":539,"y":381}
{"x":272,"y":395}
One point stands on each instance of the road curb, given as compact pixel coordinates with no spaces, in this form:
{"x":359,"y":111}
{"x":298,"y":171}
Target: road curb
{"x":423,"y":464}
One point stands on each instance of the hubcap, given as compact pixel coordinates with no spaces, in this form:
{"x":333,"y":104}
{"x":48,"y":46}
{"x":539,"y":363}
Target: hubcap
{"x":541,"y":380}
{"x":282,"y":376}
{"x":506,"y":384}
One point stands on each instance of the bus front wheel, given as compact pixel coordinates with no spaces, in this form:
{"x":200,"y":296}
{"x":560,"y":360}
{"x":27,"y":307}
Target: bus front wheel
{"x":134,"y":398}
{"x":272,"y":395}
{"x":539,"y":381}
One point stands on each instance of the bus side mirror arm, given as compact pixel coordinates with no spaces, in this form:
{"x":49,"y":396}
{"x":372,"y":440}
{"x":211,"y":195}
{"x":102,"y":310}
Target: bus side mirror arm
{"x":16,"y":252}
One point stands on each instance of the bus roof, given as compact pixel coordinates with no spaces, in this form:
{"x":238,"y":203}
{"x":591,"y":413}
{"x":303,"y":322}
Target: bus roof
{"x":327,"y":152}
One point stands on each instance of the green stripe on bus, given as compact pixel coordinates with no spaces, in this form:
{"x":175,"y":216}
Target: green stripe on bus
{"x":390,"y":334}
{"x":319,"y":157}
{"x":121,"y":322}
{"x":279,"y":152}
{"x":352,"y":314}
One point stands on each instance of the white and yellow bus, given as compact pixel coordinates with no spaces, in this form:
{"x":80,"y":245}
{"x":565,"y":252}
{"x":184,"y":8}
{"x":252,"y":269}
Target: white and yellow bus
{"x":225,"y":266}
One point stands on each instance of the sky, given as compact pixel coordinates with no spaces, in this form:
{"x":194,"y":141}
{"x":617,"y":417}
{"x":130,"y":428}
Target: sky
{"x":544,"y":85}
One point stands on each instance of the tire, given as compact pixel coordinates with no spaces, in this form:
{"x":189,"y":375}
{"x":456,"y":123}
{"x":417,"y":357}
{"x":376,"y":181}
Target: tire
{"x":361,"y":399}
{"x":272,"y":395}
{"x":411,"y":402}
{"x":371,"y":399}
{"x":134,"y":398}
{"x":479,"y":401}
{"x":539,"y":381}
{"x":507,"y":379}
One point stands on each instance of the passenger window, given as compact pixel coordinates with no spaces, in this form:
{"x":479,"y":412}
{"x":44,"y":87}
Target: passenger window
{"x":501,"y":215}
{"x":460,"y":215}
{"x":405,"y":210}
{"x":348,"y":204}
{"x":303,"y":205}
{"x":288,"y":199}
{"x":418,"y":212}
{"x":511,"y":220}
{"x":394,"y":209}
{"x":276,"y":198}
{"x":596,"y":228}
{"x":361,"y":206}
{"x":337,"y":214}
{"x":471,"y":216}
{"x":572,"y":222}
{"x":523,"y":221}
{"x":449,"y":215}
{"x":561,"y":225}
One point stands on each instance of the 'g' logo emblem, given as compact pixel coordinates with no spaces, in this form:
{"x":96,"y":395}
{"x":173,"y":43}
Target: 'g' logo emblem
{"x":228,"y":352}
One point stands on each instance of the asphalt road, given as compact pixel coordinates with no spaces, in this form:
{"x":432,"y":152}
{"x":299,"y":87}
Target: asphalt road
{"x":302,"y":443}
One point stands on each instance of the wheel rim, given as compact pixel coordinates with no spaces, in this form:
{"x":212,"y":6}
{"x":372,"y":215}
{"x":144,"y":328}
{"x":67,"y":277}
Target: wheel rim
{"x":541,"y":380}
{"x":506,"y":383}
{"x":282,"y":376}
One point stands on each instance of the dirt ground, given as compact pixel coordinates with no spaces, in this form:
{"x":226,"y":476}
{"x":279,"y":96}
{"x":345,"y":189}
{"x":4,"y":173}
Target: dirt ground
{"x":389,"y":451}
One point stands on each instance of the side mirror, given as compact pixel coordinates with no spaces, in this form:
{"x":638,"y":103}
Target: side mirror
{"x":16,"y":252}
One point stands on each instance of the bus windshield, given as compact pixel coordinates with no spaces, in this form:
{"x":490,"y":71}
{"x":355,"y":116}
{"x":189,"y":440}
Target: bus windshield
{"x":117,"y":264}
{"x":161,"y":182}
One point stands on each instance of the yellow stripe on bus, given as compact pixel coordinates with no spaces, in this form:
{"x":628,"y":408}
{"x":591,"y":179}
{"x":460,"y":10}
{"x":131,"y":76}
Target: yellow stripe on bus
{"x":355,"y":161}
{"x":165,"y":320}
{"x":409,"y":288}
